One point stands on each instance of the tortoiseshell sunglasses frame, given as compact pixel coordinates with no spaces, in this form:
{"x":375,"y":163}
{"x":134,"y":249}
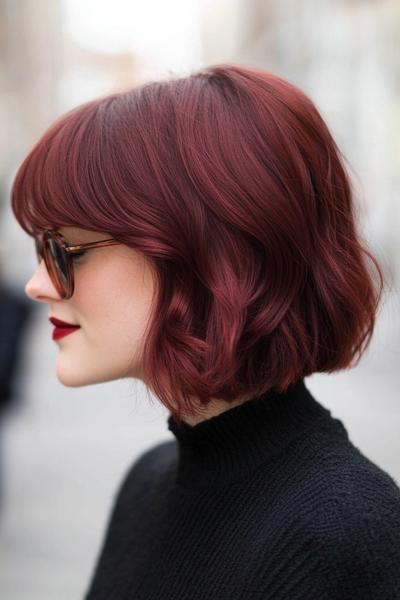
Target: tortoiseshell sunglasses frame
{"x":62,"y":275}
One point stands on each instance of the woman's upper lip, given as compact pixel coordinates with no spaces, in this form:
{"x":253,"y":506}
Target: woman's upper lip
{"x":59,"y":323}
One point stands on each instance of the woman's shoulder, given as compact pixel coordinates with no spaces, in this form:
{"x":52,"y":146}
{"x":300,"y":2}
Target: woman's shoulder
{"x":355,"y":532}
{"x":335,"y":517}
{"x":148,"y":470}
{"x":352,"y":478}
{"x":351,"y":520}
{"x":352,"y":490}
{"x":336,"y":477}
{"x":154,"y":459}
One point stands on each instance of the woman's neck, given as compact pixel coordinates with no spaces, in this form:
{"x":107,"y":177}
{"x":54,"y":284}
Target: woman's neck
{"x":214,"y":407}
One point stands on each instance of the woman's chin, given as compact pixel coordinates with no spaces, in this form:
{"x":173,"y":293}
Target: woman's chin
{"x":70,"y":376}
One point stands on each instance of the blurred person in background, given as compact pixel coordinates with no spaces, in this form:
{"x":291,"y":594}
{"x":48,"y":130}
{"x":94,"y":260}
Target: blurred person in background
{"x":199,"y":234}
{"x":15,"y":313}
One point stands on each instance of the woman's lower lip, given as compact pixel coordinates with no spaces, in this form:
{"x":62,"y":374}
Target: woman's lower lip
{"x":59,"y":332}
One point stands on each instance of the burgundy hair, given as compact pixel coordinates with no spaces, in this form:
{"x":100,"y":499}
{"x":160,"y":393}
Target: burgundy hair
{"x":230,"y":182}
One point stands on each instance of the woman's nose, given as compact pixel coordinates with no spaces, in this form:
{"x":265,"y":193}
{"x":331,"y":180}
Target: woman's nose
{"x":40,"y":287}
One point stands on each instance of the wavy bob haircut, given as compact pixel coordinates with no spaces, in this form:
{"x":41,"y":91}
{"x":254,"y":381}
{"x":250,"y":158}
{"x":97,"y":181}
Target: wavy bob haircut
{"x":230,"y":183}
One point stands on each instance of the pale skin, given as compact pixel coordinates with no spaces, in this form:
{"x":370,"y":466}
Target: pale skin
{"x":111,"y":302}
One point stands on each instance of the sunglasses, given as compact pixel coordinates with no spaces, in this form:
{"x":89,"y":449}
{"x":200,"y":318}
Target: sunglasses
{"x":52,"y":247}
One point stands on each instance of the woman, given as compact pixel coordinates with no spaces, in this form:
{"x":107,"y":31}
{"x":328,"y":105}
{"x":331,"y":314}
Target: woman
{"x":199,"y":234}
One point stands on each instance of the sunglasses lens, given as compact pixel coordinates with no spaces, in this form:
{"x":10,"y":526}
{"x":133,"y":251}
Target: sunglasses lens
{"x":38,"y":249}
{"x":57,"y":264}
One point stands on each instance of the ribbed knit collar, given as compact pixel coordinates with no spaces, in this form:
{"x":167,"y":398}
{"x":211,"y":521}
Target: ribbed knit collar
{"x":233,"y":443}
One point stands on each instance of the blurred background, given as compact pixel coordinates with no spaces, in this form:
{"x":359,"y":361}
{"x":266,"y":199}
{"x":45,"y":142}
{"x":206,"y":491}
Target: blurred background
{"x":63,"y":451}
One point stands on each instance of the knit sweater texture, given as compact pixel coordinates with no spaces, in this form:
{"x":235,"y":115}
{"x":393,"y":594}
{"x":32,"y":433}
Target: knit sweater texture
{"x":269,"y":500}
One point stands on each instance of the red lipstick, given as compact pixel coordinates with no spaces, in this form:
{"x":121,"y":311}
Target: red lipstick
{"x":62,"y":328}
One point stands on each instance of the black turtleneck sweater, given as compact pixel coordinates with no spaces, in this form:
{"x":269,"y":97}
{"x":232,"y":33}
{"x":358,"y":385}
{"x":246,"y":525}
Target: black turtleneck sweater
{"x":269,"y":500}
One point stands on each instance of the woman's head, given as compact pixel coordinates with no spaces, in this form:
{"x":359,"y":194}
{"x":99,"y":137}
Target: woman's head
{"x":228,"y":189}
